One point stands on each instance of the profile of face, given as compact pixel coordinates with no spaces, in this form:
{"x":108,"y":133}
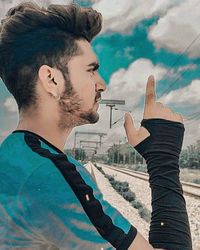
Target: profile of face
{"x":80,"y":90}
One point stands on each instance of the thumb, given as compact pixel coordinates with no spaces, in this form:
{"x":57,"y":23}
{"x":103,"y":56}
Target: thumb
{"x":129,"y":127}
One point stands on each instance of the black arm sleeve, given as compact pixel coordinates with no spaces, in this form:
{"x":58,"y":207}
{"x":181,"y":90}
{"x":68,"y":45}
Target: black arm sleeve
{"x":169,"y":227}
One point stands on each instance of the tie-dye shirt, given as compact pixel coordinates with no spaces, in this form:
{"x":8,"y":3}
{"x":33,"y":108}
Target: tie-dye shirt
{"x":48,"y":200}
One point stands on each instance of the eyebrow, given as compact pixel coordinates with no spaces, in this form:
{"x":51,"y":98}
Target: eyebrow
{"x":94,"y":64}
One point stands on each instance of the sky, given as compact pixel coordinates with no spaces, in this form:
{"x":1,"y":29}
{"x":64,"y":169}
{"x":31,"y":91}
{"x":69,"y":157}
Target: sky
{"x":139,"y":38}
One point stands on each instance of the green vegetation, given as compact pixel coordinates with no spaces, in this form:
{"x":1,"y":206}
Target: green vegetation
{"x":124,"y":154}
{"x":123,"y":189}
{"x":190,"y":157}
{"x":196,"y":181}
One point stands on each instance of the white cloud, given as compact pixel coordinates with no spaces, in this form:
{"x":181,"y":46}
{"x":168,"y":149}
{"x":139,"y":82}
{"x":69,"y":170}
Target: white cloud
{"x":178,"y":28}
{"x":11,"y":104}
{"x":130,"y":83}
{"x":189,"y":95}
{"x":122,"y":16}
{"x":186,"y":68}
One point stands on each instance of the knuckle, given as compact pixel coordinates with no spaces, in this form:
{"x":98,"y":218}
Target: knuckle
{"x":159,"y":103}
{"x":169,"y":110}
{"x":150,"y":95}
{"x":178,"y":117}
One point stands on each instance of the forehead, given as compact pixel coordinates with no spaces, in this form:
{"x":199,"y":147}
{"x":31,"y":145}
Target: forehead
{"x":87,"y":54}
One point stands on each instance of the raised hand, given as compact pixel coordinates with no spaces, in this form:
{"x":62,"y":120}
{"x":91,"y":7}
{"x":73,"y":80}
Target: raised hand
{"x":152,"y":110}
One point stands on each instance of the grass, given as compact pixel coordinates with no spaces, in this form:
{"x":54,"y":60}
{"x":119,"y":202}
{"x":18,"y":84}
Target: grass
{"x":122,"y":187}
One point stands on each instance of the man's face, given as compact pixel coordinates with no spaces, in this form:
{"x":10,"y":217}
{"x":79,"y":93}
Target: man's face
{"x":87,"y":86}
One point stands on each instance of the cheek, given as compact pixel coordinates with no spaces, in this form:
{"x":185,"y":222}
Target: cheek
{"x":85,"y":88}
{"x":88,"y":94}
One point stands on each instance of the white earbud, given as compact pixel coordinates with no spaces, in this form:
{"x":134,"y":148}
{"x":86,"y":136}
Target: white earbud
{"x":57,"y":97}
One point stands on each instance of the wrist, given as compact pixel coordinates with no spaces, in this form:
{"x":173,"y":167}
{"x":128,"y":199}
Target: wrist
{"x":166,"y":138}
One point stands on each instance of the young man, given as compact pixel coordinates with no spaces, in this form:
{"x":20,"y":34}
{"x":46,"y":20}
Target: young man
{"x":47,"y":199}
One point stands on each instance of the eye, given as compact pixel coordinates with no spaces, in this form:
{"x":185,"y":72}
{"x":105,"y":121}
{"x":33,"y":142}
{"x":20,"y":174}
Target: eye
{"x":92,"y":70}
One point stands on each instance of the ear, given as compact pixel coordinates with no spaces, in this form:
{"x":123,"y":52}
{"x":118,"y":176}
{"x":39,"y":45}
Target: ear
{"x":45,"y":75}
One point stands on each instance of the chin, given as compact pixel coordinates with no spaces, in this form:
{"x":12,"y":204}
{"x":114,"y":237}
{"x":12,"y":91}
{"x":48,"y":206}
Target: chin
{"x":90,"y":117}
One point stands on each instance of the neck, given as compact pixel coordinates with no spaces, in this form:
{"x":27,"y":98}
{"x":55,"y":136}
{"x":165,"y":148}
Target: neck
{"x":46,"y":128}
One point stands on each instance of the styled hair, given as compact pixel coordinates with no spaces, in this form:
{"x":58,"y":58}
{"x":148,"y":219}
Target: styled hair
{"x":31,"y":36}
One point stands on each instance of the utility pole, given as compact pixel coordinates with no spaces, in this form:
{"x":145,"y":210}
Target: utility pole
{"x":111,"y":108}
{"x":118,"y":151}
{"x":86,"y":133}
{"x":96,"y":142}
{"x":111,"y":104}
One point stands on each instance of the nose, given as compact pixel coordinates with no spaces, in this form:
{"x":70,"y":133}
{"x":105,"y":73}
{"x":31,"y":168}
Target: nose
{"x":100,"y":84}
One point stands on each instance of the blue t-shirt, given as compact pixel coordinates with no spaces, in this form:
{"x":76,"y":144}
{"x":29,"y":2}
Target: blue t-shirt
{"x":48,"y":200}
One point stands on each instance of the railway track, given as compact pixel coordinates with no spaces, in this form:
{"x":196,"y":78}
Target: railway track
{"x":190,"y":189}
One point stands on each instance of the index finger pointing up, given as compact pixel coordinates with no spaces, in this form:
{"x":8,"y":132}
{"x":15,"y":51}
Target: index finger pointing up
{"x":150,"y":91}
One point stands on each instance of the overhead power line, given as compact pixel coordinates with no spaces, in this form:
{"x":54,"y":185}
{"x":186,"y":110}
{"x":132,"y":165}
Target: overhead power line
{"x":177,"y":60}
{"x":180,"y":56}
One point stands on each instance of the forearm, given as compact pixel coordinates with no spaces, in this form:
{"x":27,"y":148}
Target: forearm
{"x":169,"y":227}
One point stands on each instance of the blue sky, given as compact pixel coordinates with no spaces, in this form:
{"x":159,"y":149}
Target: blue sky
{"x":122,"y":46}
